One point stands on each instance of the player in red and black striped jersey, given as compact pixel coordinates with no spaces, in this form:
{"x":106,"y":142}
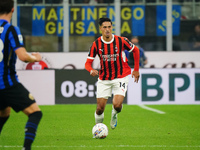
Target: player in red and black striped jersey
{"x":112,"y":59}
{"x":113,"y":75}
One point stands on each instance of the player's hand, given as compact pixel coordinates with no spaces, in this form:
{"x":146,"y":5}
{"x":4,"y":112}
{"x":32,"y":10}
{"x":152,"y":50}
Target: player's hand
{"x":136,"y":75}
{"x":94,"y":73}
{"x":37,"y":56}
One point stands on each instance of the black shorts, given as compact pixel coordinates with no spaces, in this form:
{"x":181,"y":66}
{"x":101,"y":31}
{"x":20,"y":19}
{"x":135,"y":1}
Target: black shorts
{"x":17,"y":97}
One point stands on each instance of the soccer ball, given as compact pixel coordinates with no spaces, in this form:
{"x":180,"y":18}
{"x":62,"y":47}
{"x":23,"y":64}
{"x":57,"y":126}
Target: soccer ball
{"x":100,"y":131}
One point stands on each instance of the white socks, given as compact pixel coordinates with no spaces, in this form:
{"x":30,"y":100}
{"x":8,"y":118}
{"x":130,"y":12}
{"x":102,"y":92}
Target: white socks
{"x":98,"y":118}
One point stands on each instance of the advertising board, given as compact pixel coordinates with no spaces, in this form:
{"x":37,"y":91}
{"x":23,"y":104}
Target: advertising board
{"x":156,"y":86}
{"x":73,"y":60}
{"x":166,"y":86}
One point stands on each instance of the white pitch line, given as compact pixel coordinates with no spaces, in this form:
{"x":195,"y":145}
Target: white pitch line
{"x":111,"y":146}
{"x":152,"y":109}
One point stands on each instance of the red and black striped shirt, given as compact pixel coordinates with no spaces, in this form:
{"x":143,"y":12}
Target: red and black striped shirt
{"x":112,"y":57}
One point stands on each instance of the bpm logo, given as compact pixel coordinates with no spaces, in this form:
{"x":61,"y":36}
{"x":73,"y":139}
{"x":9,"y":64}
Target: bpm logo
{"x":43,"y":64}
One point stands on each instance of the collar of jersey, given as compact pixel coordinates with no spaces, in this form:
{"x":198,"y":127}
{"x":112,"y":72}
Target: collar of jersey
{"x":108,"y":42}
{"x":3,"y":20}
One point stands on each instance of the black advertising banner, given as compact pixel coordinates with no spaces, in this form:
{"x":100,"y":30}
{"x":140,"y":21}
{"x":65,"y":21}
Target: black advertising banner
{"x":76,"y":87}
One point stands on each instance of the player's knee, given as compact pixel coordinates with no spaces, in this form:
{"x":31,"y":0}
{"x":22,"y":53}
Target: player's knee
{"x":39,"y":114}
{"x":99,"y":111}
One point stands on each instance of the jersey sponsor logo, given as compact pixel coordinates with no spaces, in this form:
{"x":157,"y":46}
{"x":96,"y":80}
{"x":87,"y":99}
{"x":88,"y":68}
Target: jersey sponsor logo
{"x":111,"y":57}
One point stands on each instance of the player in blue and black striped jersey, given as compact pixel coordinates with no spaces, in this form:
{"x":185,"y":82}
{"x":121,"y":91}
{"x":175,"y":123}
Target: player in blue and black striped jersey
{"x":12,"y":93}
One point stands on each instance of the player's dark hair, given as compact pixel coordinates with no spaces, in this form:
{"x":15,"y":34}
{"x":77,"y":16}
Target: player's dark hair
{"x":101,"y":20}
{"x":6,"y":6}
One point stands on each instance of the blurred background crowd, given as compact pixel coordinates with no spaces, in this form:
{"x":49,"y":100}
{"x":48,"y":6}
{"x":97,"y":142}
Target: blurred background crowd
{"x":188,"y":38}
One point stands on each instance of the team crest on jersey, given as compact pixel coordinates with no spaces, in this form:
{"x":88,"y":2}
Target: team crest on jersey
{"x":101,"y":49}
{"x":1,"y":29}
{"x":116,"y":49}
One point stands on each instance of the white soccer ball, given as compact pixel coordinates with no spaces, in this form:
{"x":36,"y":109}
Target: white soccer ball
{"x":100,"y":131}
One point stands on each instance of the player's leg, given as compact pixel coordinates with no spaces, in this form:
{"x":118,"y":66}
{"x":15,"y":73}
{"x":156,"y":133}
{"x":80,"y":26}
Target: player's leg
{"x":119,"y":91}
{"x":34,"y":116}
{"x":117,"y":103}
{"x":117,"y":107}
{"x":4,"y":115}
{"x":99,"y":113}
{"x":103,"y":92}
{"x":20,"y":99}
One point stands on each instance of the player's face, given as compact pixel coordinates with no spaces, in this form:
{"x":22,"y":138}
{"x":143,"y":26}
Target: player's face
{"x":106,"y":29}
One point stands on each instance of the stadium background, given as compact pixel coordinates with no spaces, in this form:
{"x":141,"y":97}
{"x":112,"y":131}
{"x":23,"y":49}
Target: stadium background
{"x":42,"y":25}
{"x":66,"y":93}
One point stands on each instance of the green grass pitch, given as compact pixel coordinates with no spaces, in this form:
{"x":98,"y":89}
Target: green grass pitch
{"x":69,"y":127}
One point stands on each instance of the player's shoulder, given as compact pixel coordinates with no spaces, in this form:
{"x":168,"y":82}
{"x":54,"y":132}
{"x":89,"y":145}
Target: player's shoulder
{"x":15,"y":28}
{"x":122,"y":37}
{"x":97,"y":39}
{"x":94,"y":43}
{"x":117,"y":36}
{"x":5,"y":25}
{"x":11,"y":28}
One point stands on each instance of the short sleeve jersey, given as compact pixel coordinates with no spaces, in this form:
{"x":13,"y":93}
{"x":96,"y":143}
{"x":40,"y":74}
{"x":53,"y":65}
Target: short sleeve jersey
{"x":10,"y":40}
{"x":113,"y":61}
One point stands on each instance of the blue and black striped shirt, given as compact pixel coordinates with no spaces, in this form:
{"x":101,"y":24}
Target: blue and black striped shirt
{"x":10,"y":40}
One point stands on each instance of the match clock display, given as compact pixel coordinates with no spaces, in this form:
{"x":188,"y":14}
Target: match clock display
{"x":75,"y":86}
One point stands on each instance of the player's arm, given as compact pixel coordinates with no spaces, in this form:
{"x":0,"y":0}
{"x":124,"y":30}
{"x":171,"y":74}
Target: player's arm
{"x":88,"y":67}
{"x":136,"y":55}
{"x":26,"y":57}
{"x":90,"y":59}
{"x":18,"y":45}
